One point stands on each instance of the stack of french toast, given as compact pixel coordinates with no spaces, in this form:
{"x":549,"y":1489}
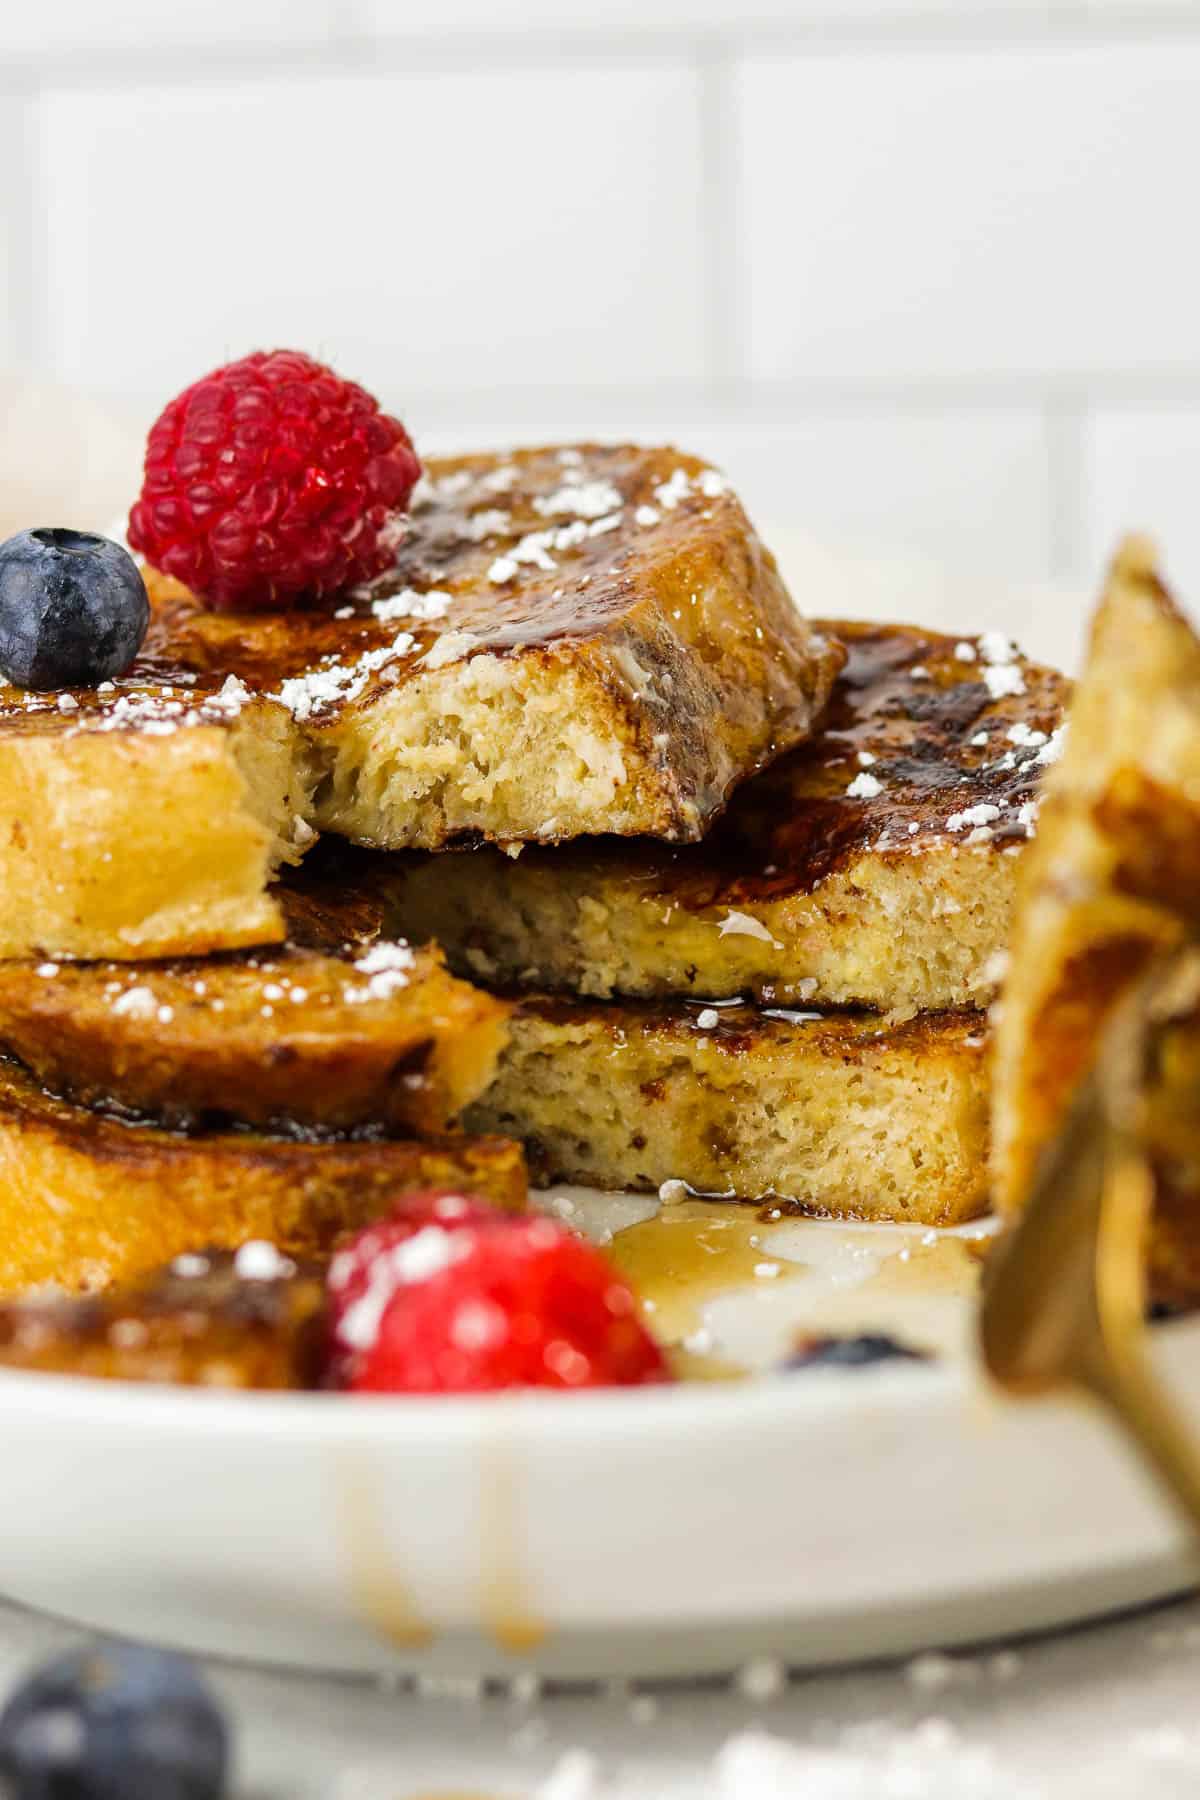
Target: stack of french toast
{"x":565,"y":844}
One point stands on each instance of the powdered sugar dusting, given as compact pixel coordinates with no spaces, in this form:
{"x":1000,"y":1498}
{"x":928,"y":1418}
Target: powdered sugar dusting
{"x":409,"y":604}
{"x":335,"y":684}
{"x":586,"y":499}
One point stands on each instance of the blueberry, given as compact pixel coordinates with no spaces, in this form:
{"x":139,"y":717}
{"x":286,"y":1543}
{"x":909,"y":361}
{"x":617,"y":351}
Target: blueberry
{"x":73,"y":609}
{"x":113,"y":1723}
{"x":850,"y":1352}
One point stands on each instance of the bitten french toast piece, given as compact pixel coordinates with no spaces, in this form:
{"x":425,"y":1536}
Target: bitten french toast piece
{"x":838,"y":1113}
{"x":586,"y":639}
{"x":126,"y":832}
{"x":342,"y":1028}
{"x":875,"y":866}
{"x":1114,"y":872}
{"x":87,"y":1199}
{"x":199,"y":1322}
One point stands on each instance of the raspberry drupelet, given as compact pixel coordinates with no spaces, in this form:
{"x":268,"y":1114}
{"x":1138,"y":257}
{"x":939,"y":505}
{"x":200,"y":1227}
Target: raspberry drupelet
{"x":447,"y":1297}
{"x":272,"y":481}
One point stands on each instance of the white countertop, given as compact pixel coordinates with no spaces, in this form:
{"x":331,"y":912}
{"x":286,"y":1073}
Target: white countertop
{"x":1109,"y":1711}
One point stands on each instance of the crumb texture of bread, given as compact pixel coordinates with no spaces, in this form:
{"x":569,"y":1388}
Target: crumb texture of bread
{"x":1114,"y":873}
{"x":573,"y":640}
{"x":873,"y":867}
{"x":87,"y":1200}
{"x":904,"y":935}
{"x":198,"y":1324}
{"x":836,"y":1114}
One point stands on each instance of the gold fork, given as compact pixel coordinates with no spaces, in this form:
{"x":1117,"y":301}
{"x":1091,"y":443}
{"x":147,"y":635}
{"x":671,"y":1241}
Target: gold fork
{"x":1065,"y":1292}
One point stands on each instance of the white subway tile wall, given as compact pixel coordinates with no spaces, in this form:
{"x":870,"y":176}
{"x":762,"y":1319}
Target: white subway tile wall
{"x":1144,"y":468}
{"x":417,"y":229}
{"x":918,"y":272}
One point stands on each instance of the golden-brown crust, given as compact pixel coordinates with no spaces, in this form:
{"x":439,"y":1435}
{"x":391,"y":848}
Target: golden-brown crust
{"x":919,"y":782}
{"x":195,"y":1323}
{"x":305,"y":1036}
{"x":696,"y":653}
{"x":528,"y":671}
{"x":86,"y":1199}
{"x":1114,"y":873}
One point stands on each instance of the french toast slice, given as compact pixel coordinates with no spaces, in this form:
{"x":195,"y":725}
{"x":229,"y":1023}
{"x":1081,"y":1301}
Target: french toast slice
{"x":87,"y":1199}
{"x":340,"y":1029}
{"x":1114,"y":872}
{"x":835,"y":1114}
{"x":198,"y":1322}
{"x":580,"y":639}
{"x":875,"y":866}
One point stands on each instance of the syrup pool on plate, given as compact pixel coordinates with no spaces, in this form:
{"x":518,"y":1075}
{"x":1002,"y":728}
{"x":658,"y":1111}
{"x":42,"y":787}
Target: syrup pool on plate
{"x":729,"y":1291}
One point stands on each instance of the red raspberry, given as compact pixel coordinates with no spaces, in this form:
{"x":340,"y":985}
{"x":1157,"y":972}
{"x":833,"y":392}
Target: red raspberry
{"x":503,"y":1303}
{"x":271,"y":480}
{"x":367,"y":1261}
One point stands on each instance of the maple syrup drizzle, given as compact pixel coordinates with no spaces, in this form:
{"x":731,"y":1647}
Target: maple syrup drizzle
{"x":382,"y":1594}
{"x":506,"y":1612}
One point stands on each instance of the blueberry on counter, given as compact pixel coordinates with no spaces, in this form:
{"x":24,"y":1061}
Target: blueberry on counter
{"x":113,"y":1722}
{"x":73,"y":609}
{"x":859,"y":1352}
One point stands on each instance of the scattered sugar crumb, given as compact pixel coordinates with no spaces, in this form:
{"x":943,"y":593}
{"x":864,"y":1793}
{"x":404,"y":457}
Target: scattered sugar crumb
{"x":646,"y":515}
{"x":67,"y":703}
{"x":586,"y":499}
{"x":983,"y":814}
{"x":502,"y":570}
{"x":709,"y":1019}
{"x":409,"y":604}
{"x":190,"y":1266}
{"x":864,"y":787}
{"x":1003,"y":679}
{"x":259,"y":1260}
{"x":1053,"y":747}
{"x":866,"y":760}
{"x":136,"y":1003}
{"x":335,"y":683}
{"x":670,"y":492}
{"x":674,"y":1193}
{"x":966,"y":652}
{"x":46,"y":970}
{"x":740,"y":924}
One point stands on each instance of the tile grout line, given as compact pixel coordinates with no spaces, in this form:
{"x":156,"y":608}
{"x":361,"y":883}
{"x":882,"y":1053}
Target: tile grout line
{"x":350,"y":47}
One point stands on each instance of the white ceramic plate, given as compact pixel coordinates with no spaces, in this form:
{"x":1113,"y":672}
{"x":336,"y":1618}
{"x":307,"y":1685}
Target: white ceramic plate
{"x":819,"y":1517}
